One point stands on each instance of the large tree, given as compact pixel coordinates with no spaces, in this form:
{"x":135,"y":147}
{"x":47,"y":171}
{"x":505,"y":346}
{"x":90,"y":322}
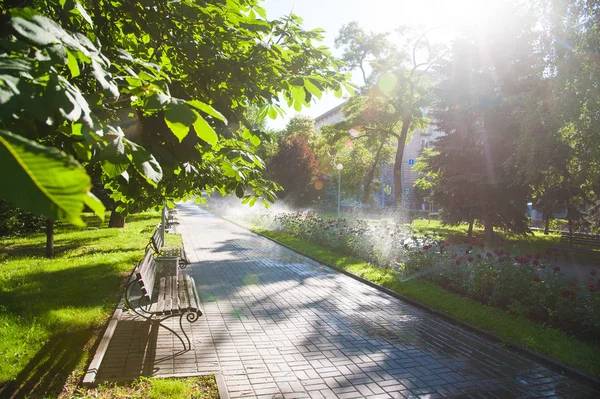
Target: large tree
{"x":391,"y":104}
{"x":180,"y":74}
{"x":472,"y":170}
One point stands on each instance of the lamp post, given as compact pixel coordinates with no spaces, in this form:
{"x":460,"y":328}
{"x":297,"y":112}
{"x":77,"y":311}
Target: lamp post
{"x":339,"y":168}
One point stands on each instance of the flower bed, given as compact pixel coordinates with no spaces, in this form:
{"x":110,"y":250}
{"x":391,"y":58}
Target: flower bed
{"x":523,"y":284}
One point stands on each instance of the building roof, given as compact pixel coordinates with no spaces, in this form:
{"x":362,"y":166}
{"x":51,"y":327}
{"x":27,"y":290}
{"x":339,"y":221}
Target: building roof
{"x":330,"y":112}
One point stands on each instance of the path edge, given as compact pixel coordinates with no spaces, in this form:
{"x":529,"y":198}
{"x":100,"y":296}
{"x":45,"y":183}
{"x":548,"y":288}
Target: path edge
{"x":545,"y":360}
{"x":89,"y":378}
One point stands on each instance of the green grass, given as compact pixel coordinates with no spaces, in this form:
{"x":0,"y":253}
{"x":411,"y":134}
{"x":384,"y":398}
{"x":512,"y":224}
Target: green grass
{"x":52,"y":310}
{"x":203,"y":387}
{"x":518,"y":330}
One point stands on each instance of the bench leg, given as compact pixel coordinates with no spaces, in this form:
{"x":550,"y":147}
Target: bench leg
{"x":190,"y":317}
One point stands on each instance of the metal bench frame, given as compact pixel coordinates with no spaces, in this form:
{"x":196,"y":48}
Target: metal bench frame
{"x":144,"y":275}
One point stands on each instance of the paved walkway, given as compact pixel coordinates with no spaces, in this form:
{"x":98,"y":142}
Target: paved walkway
{"x":278,"y":325}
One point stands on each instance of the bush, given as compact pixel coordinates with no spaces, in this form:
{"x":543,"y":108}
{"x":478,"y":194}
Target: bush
{"x":15,"y":222}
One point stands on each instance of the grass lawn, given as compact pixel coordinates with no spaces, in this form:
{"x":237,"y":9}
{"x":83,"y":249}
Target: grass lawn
{"x":204,"y":387}
{"x":52,"y":310}
{"x":548,"y":341}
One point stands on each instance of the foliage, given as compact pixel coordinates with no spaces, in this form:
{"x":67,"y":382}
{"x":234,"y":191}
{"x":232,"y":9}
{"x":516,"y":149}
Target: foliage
{"x":14,"y":221}
{"x":157,"y":86}
{"x":296,"y":169}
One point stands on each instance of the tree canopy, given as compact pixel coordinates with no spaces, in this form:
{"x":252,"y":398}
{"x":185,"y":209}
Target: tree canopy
{"x":149,"y":98}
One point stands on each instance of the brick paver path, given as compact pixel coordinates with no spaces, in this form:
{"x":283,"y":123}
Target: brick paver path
{"x":278,"y":325}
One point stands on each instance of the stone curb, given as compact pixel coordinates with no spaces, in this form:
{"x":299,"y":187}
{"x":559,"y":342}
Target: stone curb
{"x":89,"y":378}
{"x":545,"y":360}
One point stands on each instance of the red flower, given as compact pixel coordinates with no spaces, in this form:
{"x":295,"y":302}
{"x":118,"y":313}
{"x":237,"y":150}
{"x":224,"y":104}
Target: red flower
{"x":426,"y":247}
{"x":470,"y":247}
{"x":536,"y":279}
{"x":446,"y":244}
{"x":479,"y":256}
{"x":536,"y":262}
{"x":470,"y":259}
{"x":592,"y":287}
{"x":556,"y":268}
{"x":593,"y":272}
{"x":458,"y":261}
{"x":567,"y":294}
{"x":489,"y":255}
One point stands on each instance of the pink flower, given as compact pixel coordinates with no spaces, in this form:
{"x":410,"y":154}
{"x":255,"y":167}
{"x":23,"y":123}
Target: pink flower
{"x":593,"y":288}
{"x":372,"y":245}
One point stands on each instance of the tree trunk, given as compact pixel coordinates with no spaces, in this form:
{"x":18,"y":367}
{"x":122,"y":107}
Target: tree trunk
{"x":371,"y":175}
{"x":398,"y":162}
{"x":488,"y":229}
{"x":49,"y":238}
{"x":470,"y":232}
{"x":570,"y":222}
{"x":546,"y":226}
{"x":116,"y":220}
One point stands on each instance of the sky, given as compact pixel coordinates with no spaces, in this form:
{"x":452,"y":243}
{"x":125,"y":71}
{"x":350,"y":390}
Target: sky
{"x":446,"y":16}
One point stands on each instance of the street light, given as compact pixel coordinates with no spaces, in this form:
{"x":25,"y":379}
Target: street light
{"x":339,"y":168}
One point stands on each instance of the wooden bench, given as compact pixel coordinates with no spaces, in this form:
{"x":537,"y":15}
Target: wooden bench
{"x":174,"y":295}
{"x":156,"y":244}
{"x":582,"y":239}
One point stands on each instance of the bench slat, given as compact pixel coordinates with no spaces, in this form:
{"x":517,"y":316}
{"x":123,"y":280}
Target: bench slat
{"x":146,"y":274}
{"x":160,"y":306}
{"x":174,"y":295}
{"x":168,"y":300}
{"x":184,"y":303}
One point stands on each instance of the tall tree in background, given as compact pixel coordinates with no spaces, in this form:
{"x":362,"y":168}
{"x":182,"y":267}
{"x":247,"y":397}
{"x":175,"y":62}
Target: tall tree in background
{"x":296,"y":169}
{"x":391,"y":104}
{"x":471,"y":170}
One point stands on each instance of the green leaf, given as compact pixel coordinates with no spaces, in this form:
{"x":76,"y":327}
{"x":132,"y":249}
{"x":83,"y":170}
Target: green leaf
{"x":84,"y":13}
{"x":338,"y":91}
{"x":72,"y":64}
{"x":95,"y":205}
{"x":272,"y":112}
{"x":145,"y":163}
{"x":254,"y":140}
{"x":179,"y":117}
{"x":312,"y":89}
{"x":239,"y":191}
{"x":207,"y":109}
{"x":33,"y":32}
{"x":204,"y":130}
{"x":42,"y":180}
